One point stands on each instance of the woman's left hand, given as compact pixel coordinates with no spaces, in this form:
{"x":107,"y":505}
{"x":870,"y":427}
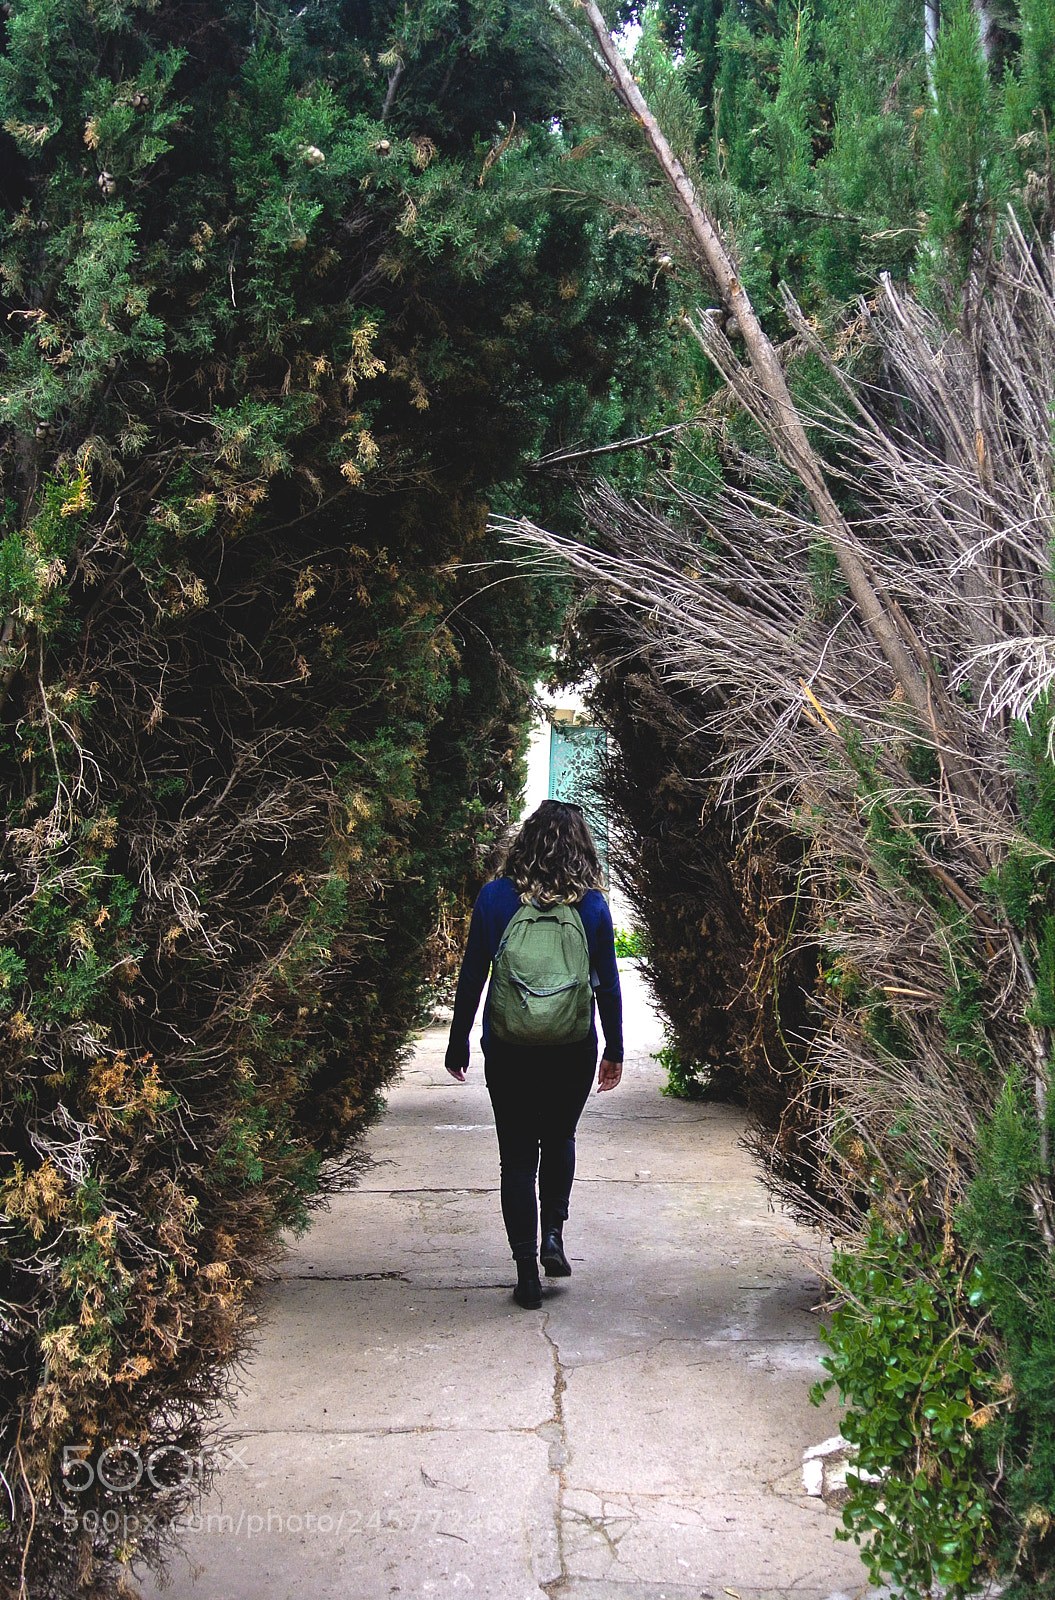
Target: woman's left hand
{"x":608,"y":1074}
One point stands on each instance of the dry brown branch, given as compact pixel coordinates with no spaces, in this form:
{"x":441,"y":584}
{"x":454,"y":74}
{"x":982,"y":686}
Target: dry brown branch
{"x":736,"y":603}
{"x":764,"y":391}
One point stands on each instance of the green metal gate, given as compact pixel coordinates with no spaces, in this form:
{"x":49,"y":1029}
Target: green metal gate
{"x":575,"y":756}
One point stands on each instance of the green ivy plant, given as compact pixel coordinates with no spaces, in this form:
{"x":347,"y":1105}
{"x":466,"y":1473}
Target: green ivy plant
{"x":919,"y":1393}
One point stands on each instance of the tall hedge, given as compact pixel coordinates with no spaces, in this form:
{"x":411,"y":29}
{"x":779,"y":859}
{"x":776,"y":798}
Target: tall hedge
{"x":719,"y":890}
{"x":280,"y":315}
{"x":917,"y":1089}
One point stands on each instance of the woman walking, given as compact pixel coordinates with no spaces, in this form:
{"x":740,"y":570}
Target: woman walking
{"x":538,"y":1090}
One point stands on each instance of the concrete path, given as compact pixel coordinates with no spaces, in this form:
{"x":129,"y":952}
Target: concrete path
{"x":408,"y":1431}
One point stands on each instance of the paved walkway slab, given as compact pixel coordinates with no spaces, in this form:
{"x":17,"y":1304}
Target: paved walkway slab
{"x":406,"y":1430}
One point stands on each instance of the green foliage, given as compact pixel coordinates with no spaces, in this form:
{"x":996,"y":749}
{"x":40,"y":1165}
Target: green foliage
{"x":1037,"y":68}
{"x":1028,"y":110}
{"x":286,"y":309}
{"x":1000,"y":1222}
{"x":933,"y":1521}
{"x":827,"y":585}
{"x":692,"y":27}
{"x":964,"y":160}
{"x":963,"y":1013}
{"x":450,"y":74}
{"x":814,"y":148}
{"x":835,"y":158}
{"x":686,"y":1080}
{"x":916,"y":1387}
{"x":1024,"y":884}
{"x":1000,"y":1217}
{"x":631,"y":943}
{"x":871,"y":178}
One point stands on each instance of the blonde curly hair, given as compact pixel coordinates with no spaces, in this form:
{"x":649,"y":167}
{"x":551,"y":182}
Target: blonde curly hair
{"x":553,"y":858}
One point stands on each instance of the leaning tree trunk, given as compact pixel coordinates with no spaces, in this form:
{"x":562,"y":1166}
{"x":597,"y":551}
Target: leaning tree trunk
{"x":780,"y":418}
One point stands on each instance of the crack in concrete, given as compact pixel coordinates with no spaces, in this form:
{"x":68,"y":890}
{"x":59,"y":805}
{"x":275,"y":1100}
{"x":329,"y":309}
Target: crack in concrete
{"x":586,"y":1178}
{"x":557,"y":1438}
{"x":707,"y":1342}
{"x":384,"y":1277}
{"x":340,"y":1277}
{"x":696,"y":1508}
{"x":436,"y":1189}
{"x":616,"y":1119}
{"x":457,"y":1288}
{"x":352,"y":1432}
{"x":655,"y":1183}
{"x":604,"y":1525}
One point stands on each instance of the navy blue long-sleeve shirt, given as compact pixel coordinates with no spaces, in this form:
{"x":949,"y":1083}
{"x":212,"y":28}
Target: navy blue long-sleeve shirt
{"x":496,"y":905}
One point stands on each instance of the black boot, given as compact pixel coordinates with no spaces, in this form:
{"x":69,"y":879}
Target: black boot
{"x":552,"y":1253}
{"x":528,"y":1291}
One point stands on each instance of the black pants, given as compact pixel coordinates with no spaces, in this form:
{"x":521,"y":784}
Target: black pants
{"x":538,"y":1096}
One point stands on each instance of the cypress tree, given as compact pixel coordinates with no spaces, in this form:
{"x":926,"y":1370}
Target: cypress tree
{"x":277,"y":321}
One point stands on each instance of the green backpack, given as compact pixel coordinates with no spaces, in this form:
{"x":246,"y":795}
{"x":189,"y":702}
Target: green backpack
{"x":541,"y":993}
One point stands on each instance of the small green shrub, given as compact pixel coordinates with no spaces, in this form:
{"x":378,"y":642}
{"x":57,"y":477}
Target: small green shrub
{"x":630,"y":942}
{"x":686,"y":1080}
{"x":919,"y":1394}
